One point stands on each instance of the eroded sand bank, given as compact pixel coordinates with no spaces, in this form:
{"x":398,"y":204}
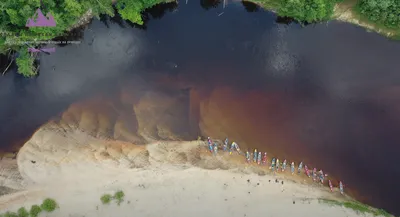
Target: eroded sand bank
{"x":159,"y":179}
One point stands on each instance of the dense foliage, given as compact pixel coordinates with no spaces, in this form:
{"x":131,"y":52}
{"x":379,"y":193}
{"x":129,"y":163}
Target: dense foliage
{"x":384,"y":12}
{"x":14,"y":15}
{"x":307,"y":10}
{"x":25,"y":62}
{"x":131,"y":9}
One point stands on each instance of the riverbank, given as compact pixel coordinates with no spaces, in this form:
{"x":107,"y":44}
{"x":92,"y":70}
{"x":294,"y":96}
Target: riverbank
{"x":344,"y":11}
{"x":173,"y":178}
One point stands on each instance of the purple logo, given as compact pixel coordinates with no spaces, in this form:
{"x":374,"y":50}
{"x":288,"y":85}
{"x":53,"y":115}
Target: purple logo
{"x":48,"y":50}
{"x":41,"y":20}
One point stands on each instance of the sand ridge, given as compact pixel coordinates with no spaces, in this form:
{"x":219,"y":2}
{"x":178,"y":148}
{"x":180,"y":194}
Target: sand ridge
{"x":163,"y":178}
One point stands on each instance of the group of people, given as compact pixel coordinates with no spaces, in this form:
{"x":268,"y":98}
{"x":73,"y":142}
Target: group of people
{"x":276,"y":166}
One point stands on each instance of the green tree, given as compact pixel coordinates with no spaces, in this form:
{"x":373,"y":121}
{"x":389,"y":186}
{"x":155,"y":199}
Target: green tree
{"x":307,"y":10}
{"x":131,"y":9}
{"x":382,"y":12}
{"x":22,"y":212}
{"x":25,"y":63}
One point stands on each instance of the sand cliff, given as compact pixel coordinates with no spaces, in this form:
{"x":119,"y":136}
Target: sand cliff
{"x":163,"y":178}
{"x":143,"y":138}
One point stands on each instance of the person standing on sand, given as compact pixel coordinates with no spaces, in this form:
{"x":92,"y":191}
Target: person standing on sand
{"x":215,"y":147}
{"x":330,"y":185}
{"x":210,"y":146}
{"x":314,"y":174}
{"x":341,"y":187}
{"x":321,"y":176}
{"x":277,"y":165}
{"x":306,"y":170}
{"x":292,"y":167}
{"x":284,"y":166}
{"x":248,"y":156}
{"x":264,"y":159}
{"x":233,"y":146}
{"x":226,"y":144}
{"x":273,"y":164}
{"x":300,"y":167}
{"x":238,"y":149}
{"x":255,"y":156}
{"x":259,"y":158}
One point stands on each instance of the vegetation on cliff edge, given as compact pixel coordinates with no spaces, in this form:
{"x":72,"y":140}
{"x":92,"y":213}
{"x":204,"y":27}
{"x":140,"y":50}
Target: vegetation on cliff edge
{"x":357,"y":206}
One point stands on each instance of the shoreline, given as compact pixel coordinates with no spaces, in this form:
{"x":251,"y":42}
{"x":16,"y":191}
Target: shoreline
{"x":110,"y":170}
{"x":343,"y":12}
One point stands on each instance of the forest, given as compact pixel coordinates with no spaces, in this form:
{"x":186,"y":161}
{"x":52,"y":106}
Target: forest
{"x":381,"y":12}
{"x":14,"y":15}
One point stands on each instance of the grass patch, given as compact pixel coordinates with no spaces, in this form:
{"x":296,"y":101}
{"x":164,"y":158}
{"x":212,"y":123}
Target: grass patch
{"x":35,"y":210}
{"x":49,"y":205}
{"x":106,"y":198}
{"x":357,"y":206}
{"x":119,"y":196}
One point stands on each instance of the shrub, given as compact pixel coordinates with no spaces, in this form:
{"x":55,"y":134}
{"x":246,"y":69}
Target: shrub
{"x":22,"y":212}
{"x":10,"y":214}
{"x":49,"y":205}
{"x":35,"y":210}
{"x":119,"y":196}
{"x":105,"y":199}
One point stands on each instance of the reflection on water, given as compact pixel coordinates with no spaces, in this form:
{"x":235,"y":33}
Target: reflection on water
{"x":250,"y":7}
{"x":330,"y":91}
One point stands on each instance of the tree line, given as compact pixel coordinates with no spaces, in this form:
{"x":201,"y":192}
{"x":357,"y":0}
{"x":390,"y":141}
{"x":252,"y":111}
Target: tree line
{"x":307,"y":11}
{"x":382,"y":12}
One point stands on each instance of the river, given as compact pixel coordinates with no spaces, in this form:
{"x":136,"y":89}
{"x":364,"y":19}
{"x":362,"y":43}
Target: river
{"x":328,"y":93}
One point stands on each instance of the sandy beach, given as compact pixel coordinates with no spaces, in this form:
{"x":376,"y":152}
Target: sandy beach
{"x":176,"y":179}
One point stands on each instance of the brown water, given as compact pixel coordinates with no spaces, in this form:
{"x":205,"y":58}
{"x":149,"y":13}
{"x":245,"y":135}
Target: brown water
{"x":326,"y":94}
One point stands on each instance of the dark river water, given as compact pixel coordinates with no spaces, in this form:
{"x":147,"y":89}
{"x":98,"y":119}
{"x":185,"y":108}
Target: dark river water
{"x":342,"y":82}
